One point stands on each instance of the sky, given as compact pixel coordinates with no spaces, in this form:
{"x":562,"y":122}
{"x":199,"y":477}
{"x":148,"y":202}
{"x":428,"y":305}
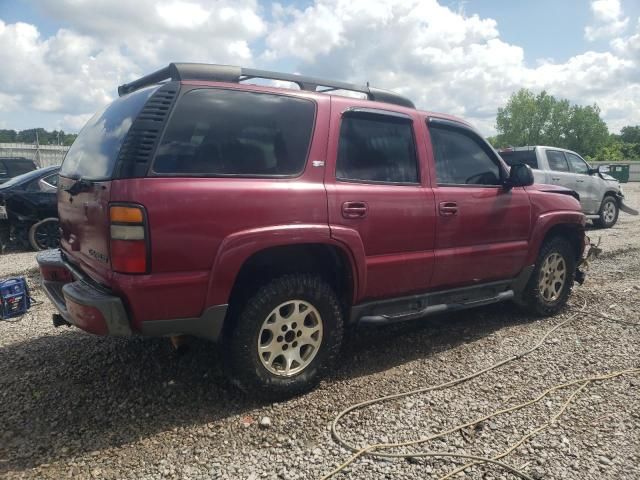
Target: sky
{"x":62,"y":60}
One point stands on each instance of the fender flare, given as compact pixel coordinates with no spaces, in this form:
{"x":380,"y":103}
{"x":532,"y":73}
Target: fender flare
{"x":238,"y":247}
{"x":545,"y":222}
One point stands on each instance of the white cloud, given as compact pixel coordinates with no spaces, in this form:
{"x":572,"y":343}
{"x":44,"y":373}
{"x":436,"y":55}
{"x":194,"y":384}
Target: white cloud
{"x":443,"y":59}
{"x":182,"y":14}
{"x":609,"y":20}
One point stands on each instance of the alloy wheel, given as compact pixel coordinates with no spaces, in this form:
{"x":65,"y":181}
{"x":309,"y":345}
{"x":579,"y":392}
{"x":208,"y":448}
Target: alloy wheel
{"x":553,"y":275}
{"x":290,"y":338}
{"x":609,"y":212}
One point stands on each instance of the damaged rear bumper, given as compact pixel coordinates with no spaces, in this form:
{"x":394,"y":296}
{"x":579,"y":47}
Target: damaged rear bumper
{"x":81,"y":304}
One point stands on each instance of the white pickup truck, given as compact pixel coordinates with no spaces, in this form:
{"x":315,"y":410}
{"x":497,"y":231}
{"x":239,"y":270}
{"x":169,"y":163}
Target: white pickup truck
{"x":600,"y":194}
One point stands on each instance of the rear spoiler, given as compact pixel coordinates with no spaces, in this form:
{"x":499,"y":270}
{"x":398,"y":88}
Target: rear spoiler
{"x":232,"y":74}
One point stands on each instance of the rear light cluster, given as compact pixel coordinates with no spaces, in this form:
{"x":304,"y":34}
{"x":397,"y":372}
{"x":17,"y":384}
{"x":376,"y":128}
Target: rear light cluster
{"x":129,"y":242}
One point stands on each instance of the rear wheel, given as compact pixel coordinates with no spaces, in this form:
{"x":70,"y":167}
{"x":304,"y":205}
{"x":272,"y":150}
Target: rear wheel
{"x":45,"y":234}
{"x":608,"y":213}
{"x":552,"y":278}
{"x":285,"y":337}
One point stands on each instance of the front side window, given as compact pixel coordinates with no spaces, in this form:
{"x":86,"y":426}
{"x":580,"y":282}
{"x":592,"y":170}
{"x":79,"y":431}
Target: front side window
{"x":227,"y":132}
{"x":577,"y":164}
{"x":376,"y":148}
{"x":462,"y":159}
{"x":557,"y":161}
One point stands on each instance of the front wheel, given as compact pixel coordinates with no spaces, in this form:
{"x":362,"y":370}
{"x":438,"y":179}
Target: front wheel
{"x":608,"y":213}
{"x":45,"y":234}
{"x":552,"y":278}
{"x":285,"y":337}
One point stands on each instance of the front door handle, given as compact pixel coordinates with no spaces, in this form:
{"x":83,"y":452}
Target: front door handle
{"x":555,"y":179}
{"x":447,"y":209}
{"x":354,"y":209}
{"x":580,"y":181}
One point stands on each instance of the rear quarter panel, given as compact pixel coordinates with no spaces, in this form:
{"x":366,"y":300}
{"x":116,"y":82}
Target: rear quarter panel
{"x":202,"y":230}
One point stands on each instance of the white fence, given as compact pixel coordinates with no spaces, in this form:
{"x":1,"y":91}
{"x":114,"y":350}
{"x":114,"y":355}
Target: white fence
{"x":43,"y":155}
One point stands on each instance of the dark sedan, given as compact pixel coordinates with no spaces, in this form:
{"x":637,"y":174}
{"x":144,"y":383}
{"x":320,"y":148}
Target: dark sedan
{"x":28,"y":211}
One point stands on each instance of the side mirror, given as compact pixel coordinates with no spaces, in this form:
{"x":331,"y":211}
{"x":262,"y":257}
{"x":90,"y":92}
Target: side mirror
{"x":520,"y":175}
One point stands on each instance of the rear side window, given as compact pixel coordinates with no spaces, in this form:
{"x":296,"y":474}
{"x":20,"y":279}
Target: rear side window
{"x":577,"y":164}
{"x":557,"y":161}
{"x":376,"y":148}
{"x":19,"y":167}
{"x":93,"y":154}
{"x":225,"y":132}
{"x":462,"y":159}
{"x":520,"y":156}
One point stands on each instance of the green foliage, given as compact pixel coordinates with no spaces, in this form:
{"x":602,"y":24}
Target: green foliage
{"x":530,"y":119}
{"x":630,"y":134}
{"x":56,"y":137}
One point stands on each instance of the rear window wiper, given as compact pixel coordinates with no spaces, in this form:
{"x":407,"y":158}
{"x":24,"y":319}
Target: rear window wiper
{"x":80,"y":185}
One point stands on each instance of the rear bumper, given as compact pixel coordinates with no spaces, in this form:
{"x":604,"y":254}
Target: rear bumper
{"x":80,"y":303}
{"x":97,"y":310}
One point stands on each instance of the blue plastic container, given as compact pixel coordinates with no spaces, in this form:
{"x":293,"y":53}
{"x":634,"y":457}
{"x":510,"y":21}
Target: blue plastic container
{"x":14,"y":297}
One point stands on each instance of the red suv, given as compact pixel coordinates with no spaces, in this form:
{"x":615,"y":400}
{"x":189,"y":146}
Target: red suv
{"x":271,"y":219}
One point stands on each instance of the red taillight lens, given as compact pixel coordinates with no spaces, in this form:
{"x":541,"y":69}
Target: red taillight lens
{"x":129,"y":242}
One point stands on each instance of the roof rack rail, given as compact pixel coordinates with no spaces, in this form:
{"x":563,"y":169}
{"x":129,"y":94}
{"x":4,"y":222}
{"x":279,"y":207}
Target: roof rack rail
{"x":229,"y":73}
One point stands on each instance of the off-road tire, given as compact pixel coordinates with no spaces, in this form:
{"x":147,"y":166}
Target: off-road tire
{"x":609,"y":204}
{"x":533,"y":299}
{"x":45,"y":234}
{"x":243,"y":365}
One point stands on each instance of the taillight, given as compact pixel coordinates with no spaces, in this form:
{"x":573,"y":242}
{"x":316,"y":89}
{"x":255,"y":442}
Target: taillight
{"x":129,"y":242}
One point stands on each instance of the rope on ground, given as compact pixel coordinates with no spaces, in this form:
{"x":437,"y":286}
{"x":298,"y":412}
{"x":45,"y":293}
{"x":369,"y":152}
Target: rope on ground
{"x":373,"y":450}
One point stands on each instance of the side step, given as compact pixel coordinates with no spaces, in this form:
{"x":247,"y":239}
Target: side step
{"x":418,"y":306}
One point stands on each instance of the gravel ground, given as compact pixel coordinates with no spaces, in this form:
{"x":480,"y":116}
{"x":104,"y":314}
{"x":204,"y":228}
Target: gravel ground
{"x":76,"y":405}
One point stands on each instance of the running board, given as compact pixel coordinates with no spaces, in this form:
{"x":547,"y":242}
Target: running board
{"x":417,"y":306}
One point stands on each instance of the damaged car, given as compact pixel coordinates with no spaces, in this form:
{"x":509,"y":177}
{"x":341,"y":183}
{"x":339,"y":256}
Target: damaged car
{"x":28,"y":210}
{"x":600,"y":195}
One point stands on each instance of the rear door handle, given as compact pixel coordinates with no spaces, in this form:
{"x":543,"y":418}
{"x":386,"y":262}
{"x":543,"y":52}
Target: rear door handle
{"x":580,"y":181}
{"x":448,"y":209}
{"x":354,"y":209}
{"x":555,"y":179}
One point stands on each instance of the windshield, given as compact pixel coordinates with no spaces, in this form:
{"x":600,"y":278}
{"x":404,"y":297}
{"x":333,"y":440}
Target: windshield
{"x":93,"y":154}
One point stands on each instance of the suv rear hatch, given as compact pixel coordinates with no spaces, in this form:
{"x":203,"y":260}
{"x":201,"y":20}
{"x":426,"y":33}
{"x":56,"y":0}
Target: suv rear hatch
{"x":87,"y":172}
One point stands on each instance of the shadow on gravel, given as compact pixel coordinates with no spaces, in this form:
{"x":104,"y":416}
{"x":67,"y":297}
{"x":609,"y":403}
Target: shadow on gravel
{"x":67,"y":394}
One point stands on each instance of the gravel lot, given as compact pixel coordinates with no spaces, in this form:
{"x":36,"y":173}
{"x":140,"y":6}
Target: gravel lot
{"x":76,"y":405}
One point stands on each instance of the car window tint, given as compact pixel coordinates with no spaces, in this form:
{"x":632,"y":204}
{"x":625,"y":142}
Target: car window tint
{"x":462,"y":159}
{"x":557,"y":161}
{"x":376,"y":148}
{"x":226,"y":132}
{"x":515,"y":157}
{"x":18,"y":168}
{"x":577,"y":164}
{"x":95,"y":150}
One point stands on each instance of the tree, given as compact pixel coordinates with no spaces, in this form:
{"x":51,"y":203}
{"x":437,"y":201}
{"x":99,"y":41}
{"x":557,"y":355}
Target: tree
{"x":530,"y":119}
{"x":630,"y":134}
{"x":45,"y":137}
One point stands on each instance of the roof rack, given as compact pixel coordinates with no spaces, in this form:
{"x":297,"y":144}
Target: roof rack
{"x":229,"y":73}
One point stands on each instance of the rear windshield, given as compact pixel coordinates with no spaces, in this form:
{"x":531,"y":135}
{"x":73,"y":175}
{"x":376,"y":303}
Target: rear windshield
{"x":521,"y":156}
{"x":18,"y":167}
{"x":93,"y":154}
{"x":225,"y":132}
